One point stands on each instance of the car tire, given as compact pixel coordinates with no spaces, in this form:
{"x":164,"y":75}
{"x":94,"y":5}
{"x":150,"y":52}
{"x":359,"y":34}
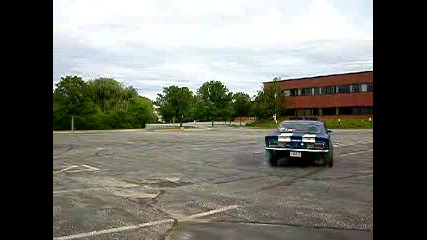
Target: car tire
{"x":272,"y":158}
{"x":331,"y":160}
{"x":328,"y":161}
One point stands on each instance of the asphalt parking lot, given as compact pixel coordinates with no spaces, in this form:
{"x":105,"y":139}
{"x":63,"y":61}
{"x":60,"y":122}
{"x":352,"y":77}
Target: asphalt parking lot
{"x":206,"y":184}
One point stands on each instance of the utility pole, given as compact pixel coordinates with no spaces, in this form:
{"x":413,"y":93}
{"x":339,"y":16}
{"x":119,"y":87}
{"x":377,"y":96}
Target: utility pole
{"x":180,"y":108}
{"x":72,"y":123}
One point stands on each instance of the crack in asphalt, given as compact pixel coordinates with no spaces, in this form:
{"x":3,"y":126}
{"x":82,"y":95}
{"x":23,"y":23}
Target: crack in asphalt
{"x":291,"y":181}
{"x":69,"y":148}
{"x":293,"y":225}
{"x":240,"y":179}
{"x":343,"y":177}
{"x":170,"y":230}
{"x":149,"y":203}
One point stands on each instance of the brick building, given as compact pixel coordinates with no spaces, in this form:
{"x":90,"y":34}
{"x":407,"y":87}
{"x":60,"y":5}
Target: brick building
{"x":337,"y":94}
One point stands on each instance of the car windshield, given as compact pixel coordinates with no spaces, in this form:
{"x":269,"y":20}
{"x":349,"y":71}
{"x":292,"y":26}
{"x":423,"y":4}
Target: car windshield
{"x":300,"y":127}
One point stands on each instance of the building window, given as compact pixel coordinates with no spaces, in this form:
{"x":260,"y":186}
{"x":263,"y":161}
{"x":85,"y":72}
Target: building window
{"x":355,"y":88}
{"x":344,"y":89}
{"x":304,"y":112}
{"x":328,"y":90}
{"x":317,"y":91}
{"x":364,"y":87}
{"x":306,"y":92}
{"x":362,"y":111}
{"x":295,"y":92}
{"x":370,"y":87}
{"x":328,"y":111}
{"x":346,"y":110}
{"x":287,"y":92}
{"x":366,"y":110}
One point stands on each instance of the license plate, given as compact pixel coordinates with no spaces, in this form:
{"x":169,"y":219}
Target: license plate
{"x":295,"y":154}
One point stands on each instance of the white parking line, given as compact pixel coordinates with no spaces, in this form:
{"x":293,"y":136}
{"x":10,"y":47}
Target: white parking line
{"x":97,"y":189}
{"x":132,"y":227}
{"x":347,"y":145}
{"x":88,"y":168}
{"x":78,"y":190}
{"x":92,"y":168}
{"x":114,"y":230}
{"x":213,"y":212}
{"x":68,"y":168}
{"x":354,"y":153}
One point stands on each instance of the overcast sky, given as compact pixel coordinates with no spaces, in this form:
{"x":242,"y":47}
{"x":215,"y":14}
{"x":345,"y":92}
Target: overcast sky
{"x":151,"y":44}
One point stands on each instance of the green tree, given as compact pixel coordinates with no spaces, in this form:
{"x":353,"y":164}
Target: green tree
{"x":216,"y":99}
{"x":141,"y":111}
{"x":102,"y":103}
{"x":242,"y":104}
{"x":175,"y":102}
{"x":70,"y":98}
{"x":109,"y":94}
{"x":198,"y":110}
{"x":270,"y":100}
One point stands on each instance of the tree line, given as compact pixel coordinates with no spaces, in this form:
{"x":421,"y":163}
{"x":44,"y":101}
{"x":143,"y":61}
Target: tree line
{"x":105,"y":103}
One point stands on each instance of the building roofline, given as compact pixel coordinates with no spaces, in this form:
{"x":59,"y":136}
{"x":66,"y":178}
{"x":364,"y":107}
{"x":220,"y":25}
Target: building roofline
{"x":321,"y":76}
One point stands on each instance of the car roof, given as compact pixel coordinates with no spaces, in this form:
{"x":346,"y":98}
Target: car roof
{"x":303,"y":121}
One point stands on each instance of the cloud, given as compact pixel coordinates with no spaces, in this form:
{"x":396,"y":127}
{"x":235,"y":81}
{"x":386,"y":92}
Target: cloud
{"x":153,"y":44}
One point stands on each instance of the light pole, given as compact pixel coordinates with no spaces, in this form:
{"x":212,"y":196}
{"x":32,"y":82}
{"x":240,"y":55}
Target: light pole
{"x":180,"y":108}
{"x":72,"y":123}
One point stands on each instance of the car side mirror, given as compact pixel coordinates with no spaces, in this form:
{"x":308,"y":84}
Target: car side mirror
{"x":329,"y":131}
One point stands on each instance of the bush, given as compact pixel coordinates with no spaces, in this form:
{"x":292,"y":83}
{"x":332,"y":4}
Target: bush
{"x":263,"y":123}
{"x":349,"y":123}
{"x":332,"y":124}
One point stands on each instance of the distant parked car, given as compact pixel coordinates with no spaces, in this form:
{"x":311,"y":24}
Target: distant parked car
{"x":307,"y":139}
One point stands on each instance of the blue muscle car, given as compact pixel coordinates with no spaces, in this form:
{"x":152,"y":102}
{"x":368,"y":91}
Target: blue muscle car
{"x":301,"y":139}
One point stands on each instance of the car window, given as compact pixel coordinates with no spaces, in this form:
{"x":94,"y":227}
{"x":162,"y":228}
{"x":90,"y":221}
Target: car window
{"x":300,"y":127}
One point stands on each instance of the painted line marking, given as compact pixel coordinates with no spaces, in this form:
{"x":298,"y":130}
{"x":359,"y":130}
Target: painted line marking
{"x":68,"y":168}
{"x":94,"y":189}
{"x":114,"y":230}
{"x":80,"y":170}
{"x":132,"y":227}
{"x":213,"y":212}
{"x":77,"y":190}
{"x":129,"y":142}
{"x":90,"y":167}
{"x":345,"y":145}
{"x":354,"y":153}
